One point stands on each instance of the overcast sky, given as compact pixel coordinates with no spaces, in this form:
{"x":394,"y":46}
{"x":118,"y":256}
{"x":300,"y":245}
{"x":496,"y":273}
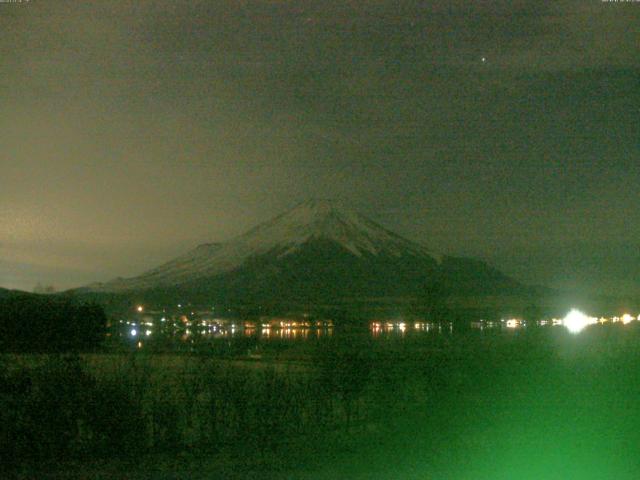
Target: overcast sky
{"x":132,"y":131}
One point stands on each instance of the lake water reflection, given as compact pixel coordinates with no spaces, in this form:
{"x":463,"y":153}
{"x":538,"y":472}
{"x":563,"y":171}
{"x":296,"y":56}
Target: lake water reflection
{"x":146,"y":330}
{"x":148,"y":333}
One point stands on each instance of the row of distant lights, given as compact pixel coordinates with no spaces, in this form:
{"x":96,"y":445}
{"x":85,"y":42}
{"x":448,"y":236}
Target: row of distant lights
{"x":378,"y":327}
{"x":140,"y":308}
{"x":576,"y":321}
{"x":147,"y":333}
{"x":134,"y":332}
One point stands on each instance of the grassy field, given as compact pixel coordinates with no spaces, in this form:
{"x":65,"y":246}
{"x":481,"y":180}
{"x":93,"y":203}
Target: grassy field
{"x":537,"y":404}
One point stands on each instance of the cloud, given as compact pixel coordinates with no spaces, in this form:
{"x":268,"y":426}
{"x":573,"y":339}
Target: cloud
{"x":156,"y":125}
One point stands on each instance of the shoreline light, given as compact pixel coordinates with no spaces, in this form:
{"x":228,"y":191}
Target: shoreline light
{"x":513,"y":323}
{"x":576,"y":321}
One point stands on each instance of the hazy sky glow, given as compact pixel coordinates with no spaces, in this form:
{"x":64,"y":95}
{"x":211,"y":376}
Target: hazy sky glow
{"x":134,"y":130}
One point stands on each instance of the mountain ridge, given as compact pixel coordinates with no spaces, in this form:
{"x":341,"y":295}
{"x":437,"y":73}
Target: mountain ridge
{"x":318,"y":249}
{"x":284,"y":233}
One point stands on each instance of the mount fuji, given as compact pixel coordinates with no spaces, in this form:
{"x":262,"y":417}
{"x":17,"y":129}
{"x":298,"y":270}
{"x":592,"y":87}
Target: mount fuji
{"x":315,"y":252}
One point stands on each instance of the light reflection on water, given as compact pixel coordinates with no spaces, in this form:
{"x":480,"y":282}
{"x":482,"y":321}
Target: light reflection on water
{"x":182,"y":335}
{"x":402,"y":328}
{"x":377,"y":329}
{"x":189,"y":331}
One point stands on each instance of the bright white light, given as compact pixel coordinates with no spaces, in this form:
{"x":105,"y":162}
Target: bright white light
{"x":140,"y":308}
{"x":147,"y":333}
{"x":626,"y":318}
{"x":134,"y":332}
{"x":575,"y":321}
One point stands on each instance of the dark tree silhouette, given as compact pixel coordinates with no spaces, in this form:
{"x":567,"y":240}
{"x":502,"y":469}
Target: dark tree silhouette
{"x":38,"y":323}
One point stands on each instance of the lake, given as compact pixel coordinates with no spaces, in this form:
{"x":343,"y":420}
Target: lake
{"x":234,"y":336}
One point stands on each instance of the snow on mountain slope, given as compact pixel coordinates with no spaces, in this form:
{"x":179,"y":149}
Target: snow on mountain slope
{"x":285,"y":234}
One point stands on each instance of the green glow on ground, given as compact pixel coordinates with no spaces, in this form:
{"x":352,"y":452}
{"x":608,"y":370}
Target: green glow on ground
{"x":556,"y":407}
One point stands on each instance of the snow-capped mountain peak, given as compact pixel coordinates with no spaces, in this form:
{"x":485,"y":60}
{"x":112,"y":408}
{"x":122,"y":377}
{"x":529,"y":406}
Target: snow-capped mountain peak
{"x":324,"y":220}
{"x":327,"y":220}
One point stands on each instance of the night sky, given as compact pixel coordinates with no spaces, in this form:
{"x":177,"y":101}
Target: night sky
{"x":132,"y":131}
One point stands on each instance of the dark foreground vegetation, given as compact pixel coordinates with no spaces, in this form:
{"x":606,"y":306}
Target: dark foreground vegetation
{"x":48,"y":323}
{"x":537,"y":404}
